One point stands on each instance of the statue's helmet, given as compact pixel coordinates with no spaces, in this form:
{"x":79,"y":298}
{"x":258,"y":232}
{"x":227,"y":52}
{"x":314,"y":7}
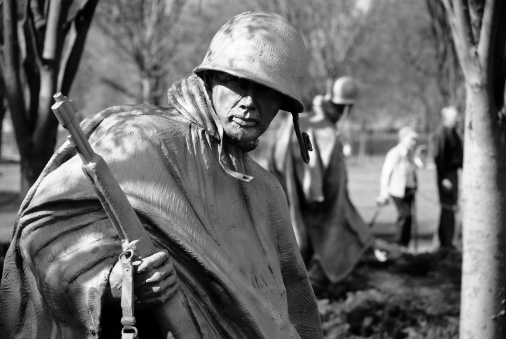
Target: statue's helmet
{"x":344,"y":91}
{"x":264,"y":48}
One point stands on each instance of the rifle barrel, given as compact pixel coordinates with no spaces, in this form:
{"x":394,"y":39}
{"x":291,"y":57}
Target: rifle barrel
{"x":173,"y":316}
{"x":64,"y":111}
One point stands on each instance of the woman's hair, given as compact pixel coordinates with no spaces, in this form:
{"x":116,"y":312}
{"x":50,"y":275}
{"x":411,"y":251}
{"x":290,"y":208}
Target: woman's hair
{"x":405,"y":132}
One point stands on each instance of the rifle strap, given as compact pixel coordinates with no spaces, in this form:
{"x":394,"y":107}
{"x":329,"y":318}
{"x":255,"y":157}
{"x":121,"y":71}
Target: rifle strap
{"x":129,"y":330}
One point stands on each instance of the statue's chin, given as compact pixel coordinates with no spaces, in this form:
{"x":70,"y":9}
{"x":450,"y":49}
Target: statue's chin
{"x":248,"y":146}
{"x":245,"y":146}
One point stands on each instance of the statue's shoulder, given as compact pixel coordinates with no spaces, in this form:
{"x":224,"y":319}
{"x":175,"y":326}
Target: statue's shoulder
{"x":143,"y":120}
{"x":124,"y":113}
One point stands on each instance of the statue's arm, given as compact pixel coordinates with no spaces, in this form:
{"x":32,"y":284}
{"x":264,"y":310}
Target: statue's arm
{"x":302,"y":306}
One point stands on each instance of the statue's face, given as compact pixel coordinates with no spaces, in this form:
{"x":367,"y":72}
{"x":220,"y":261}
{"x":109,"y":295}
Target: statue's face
{"x":334,"y":111}
{"x":244,"y":108}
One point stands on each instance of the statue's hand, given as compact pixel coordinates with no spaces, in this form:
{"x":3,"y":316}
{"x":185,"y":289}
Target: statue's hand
{"x":155,"y":281}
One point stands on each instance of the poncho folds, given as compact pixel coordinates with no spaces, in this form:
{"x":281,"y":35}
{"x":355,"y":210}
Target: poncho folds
{"x":231,"y":240}
{"x":323,"y":216}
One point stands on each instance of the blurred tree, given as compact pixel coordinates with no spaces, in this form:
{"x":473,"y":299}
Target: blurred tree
{"x":388,"y":45}
{"x":42,"y":42}
{"x":449,"y":75}
{"x":331,"y":29}
{"x":479,"y":32}
{"x":199,"y":21}
{"x":3,"y":109}
{"x":192,"y":33}
{"x":419,"y":67}
{"x":413,"y":52}
{"x":145,"y":31}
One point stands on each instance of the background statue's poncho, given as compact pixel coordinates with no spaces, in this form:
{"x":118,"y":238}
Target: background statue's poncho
{"x":232,"y":241}
{"x":324,"y":219}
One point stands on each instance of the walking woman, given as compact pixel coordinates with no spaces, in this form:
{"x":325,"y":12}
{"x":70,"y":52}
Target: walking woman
{"x":399,"y":181}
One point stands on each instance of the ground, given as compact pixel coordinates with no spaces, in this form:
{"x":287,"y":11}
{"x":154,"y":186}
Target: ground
{"x":413,"y":294}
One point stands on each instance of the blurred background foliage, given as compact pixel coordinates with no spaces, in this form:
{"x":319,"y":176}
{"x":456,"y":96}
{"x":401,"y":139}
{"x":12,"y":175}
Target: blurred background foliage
{"x":397,"y":50}
{"x":400,"y":52}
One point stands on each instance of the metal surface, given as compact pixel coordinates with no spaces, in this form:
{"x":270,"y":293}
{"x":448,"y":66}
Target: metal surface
{"x":264,"y":48}
{"x":172,"y":316}
{"x":344,"y":91}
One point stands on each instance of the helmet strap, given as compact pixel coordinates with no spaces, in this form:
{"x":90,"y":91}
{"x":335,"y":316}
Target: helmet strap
{"x":303,"y":139}
{"x":346,"y":113}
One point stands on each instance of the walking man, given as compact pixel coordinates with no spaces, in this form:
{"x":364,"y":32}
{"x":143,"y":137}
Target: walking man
{"x":448,"y":157}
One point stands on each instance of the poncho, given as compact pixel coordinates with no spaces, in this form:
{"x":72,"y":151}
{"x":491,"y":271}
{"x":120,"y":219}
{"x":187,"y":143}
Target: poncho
{"x":231,"y":240}
{"x":323,"y":216}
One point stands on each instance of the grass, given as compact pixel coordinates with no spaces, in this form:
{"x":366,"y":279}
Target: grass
{"x":363,"y":184}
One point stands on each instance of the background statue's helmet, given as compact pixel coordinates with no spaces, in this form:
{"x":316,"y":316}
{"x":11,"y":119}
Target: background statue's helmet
{"x":344,"y":91}
{"x":264,"y":48}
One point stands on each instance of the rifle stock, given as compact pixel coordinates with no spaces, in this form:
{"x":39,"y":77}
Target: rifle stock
{"x":173,"y":316}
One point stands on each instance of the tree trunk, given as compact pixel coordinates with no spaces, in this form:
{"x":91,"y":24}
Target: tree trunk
{"x":43,"y":139}
{"x":146,"y":89}
{"x":483,"y":305}
{"x":3,"y":109}
{"x":2,"y":115}
{"x":12,"y":81}
{"x":59,"y":37}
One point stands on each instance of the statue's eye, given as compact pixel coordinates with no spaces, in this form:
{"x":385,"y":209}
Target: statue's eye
{"x":230,"y":78}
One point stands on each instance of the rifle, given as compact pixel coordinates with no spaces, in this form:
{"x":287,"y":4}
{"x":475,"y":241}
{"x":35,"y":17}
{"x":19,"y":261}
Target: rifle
{"x":173,"y":316}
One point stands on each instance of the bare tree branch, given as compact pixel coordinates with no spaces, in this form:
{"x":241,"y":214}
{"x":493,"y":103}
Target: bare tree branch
{"x":52,"y":30}
{"x":144,"y":31}
{"x":476,"y":8}
{"x":72,"y":57}
{"x":448,"y":70}
{"x":38,"y":18}
{"x":488,"y":34}
{"x":458,"y":18}
{"x":463,"y":20}
{"x":33,"y":43}
{"x":12,"y":79}
{"x":32,"y":63}
{"x":120,"y":88}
